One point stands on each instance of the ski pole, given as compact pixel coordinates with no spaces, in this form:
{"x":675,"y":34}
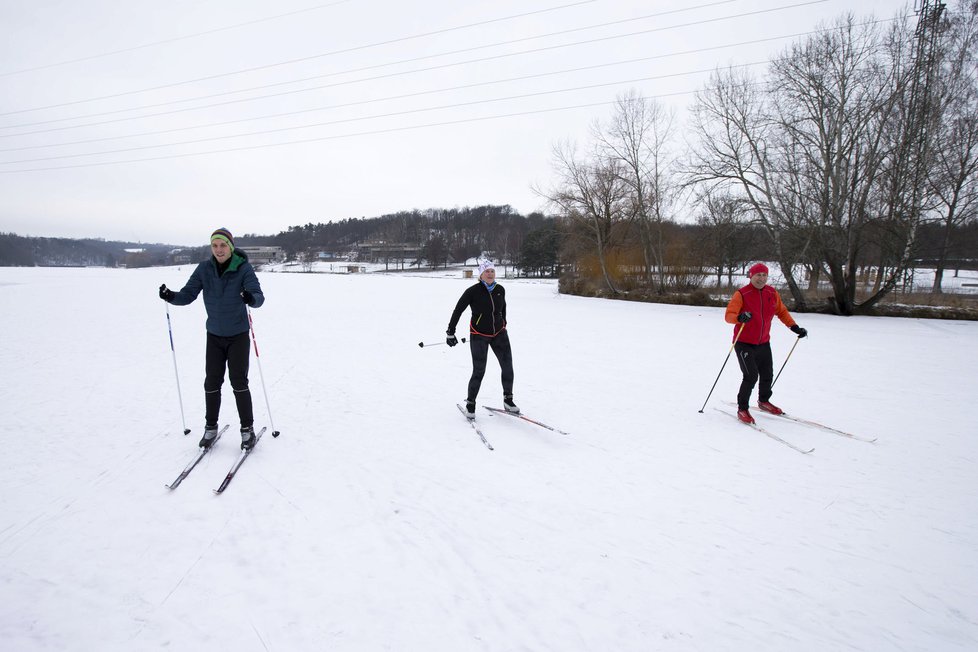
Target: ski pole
{"x":785,"y":362}
{"x":723,"y":365}
{"x":251,"y":325}
{"x":169,"y":327}
{"x":422,"y":344}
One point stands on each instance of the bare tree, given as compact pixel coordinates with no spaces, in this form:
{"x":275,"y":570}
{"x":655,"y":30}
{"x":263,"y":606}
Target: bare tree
{"x":954,"y":174}
{"x":592,"y":197}
{"x":827,"y":156}
{"x":636,"y":138}
{"x":836,"y":98}
{"x":735,"y":133}
{"x":307,"y":259}
{"x":722,"y":220}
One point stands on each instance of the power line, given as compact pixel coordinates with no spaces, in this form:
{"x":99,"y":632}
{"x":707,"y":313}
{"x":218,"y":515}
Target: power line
{"x":405,"y":95}
{"x":381,"y":131}
{"x":338,"y":136}
{"x":344,"y":72}
{"x":374,"y":117}
{"x":170,"y":40}
{"x":396,"y":74}
{"x":301,"y":59}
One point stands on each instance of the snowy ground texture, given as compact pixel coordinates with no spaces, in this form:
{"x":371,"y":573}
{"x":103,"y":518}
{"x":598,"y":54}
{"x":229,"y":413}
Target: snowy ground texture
{"x":378,"y":521}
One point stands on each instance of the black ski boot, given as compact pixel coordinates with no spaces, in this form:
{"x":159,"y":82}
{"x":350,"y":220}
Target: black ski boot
{"x":470,"y":409}
{"x":210,"y":434}
{"x":248,"y":438}
{"x":509,"y":405}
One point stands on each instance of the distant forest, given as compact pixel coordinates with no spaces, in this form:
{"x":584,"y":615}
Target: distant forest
{"x":538,"y":245}
{"x":20,"y":251}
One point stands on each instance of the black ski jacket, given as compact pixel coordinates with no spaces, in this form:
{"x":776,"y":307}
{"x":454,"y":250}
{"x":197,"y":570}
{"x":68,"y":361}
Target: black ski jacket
{"x":488,"y":310}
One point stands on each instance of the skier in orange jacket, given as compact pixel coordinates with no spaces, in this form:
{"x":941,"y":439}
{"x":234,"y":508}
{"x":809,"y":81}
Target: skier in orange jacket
{"x":752,"y":309}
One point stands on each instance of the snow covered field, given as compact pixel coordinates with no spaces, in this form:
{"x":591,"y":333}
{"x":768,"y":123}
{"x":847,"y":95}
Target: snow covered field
{"x":378,"y":521}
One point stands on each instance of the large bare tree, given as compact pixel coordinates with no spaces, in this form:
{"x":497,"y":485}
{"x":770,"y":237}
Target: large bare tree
{"x":637,"y":138}
{"x":591,"y":196}
{"x":734,"y":153}
{"x":837,"y":96}
{"x":954,"y":174}
{"x":826,"y":152}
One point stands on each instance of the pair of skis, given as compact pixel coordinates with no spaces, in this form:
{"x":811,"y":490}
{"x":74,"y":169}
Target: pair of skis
{"x":805,"y":422}
{"x":203,"y":451}
{"x":517,"y":415}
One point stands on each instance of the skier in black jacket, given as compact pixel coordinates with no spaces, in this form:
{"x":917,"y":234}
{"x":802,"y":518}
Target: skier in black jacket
{"x":487,"y":329}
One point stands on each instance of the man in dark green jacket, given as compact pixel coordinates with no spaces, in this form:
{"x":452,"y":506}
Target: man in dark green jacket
{"x":229,"y":284}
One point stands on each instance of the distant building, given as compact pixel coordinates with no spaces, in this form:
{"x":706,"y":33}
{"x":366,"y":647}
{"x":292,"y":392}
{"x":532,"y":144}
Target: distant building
{"x":380,"y":252}
{"x":261,"y":255}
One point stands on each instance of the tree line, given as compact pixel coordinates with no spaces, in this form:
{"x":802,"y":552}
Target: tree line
{"x":441,"y":235}
{"x":27,"y":251}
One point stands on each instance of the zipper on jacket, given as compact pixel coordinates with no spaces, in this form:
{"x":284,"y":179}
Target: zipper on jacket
{"x":493,"y":304}
{"x":762,"y":315}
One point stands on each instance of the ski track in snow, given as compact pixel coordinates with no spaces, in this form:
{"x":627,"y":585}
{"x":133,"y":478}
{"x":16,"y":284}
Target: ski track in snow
{"x":379,"y":521}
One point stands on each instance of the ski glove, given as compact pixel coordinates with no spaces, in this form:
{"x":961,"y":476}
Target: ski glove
{"x":451,"y":340}
{"x":248,"y":297}
{"x":744,"y":317}
{"x":166,"y":293}
{"x":799,"y":331}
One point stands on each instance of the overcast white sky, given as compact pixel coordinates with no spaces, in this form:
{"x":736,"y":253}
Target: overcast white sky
{"x":137,"y":120}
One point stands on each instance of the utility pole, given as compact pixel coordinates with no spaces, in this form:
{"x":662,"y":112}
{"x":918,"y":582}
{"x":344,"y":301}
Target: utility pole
{"x":925,"y":66}
{"x":919,"y":114}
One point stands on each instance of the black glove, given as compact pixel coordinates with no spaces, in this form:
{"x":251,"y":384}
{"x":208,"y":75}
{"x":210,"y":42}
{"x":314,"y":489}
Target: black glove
{"x":248,"y":297}
{"x":165,"y":293}
{"x":799,"y":331}
{"x":744,"y":317}
{"x":451,"y":340}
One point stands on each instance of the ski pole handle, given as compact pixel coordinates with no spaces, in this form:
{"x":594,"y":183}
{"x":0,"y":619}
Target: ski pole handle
{"x":423,"y":344}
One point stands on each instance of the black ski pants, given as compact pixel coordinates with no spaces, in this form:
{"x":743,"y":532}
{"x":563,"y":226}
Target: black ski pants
{"x":479,"y":345}
{"x":756,"y":362}
{"x":231,"y":353}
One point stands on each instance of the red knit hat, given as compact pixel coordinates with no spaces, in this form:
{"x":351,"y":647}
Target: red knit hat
{"x":757,"y":268}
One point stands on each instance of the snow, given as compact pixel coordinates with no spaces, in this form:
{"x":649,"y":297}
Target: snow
{"x":379,"y":521}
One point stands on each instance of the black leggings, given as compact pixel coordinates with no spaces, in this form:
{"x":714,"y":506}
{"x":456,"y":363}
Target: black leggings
{"x":231,"y":353}
{"x":479,"y":345}
{"x":756,"y":362}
